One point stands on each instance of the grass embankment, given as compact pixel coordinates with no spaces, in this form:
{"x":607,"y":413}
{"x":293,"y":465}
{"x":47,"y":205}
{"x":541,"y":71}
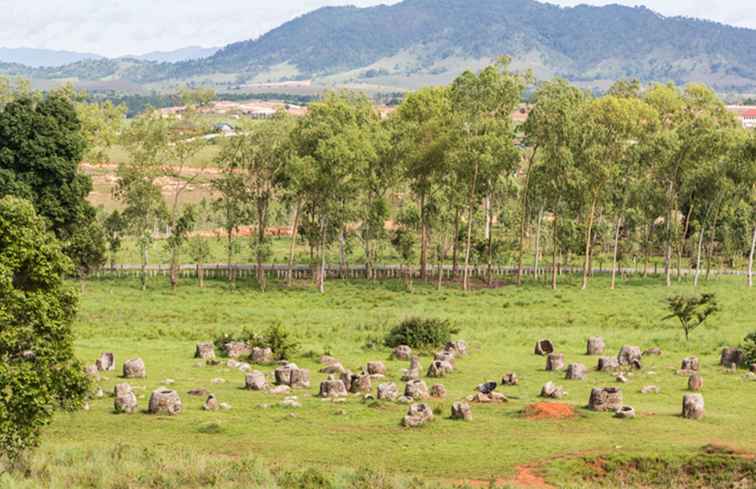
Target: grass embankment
{"x":349,"y":322}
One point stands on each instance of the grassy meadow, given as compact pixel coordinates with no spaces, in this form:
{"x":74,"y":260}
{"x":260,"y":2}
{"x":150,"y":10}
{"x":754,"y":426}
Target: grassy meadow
{"x":500,"y":444}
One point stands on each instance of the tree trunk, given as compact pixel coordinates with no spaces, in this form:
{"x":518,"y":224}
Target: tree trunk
{"x":555,"y":251}
{"x":489,"y":236}
{"x":468,"y":243}
{"x":614,"y":254}
{"x":710,"y":247}
{"x":698,"y":254}
{"x":537,"y":256}
{"x":230,"y":250}
{"x":144,"y":266}
{"x":647,"y":249}
{"x":174,"y":270}
{"x":668,"y":248}
{"x":750,"y":259}
{"x":524,"y":219}
{"x":342,"y":254}
{"x":455,"y":243}
{"x":681,"y":246}
{"x":294,"y":230}
{"x":423,"y":237}
{"x":321,"y":275}
{"x":262,"y":224}
{"x":588,"y":242}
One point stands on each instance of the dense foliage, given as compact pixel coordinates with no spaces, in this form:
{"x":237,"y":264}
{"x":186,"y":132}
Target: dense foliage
{"x":421,"y":333}
{"x":38,"y":370}
{"x":749,"y":349}
{"x":281,"y":341}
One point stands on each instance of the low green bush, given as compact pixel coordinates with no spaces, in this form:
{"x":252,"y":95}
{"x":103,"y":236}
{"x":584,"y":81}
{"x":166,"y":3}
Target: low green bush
{"x":421,"y":334}
{"x":276,"y":337}
{"x":749,"y":349}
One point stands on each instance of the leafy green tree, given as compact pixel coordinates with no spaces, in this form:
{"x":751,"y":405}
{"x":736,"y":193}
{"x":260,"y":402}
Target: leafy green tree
{"x":38,"y":371}
{"x":114,"y":226}
{"x":198,"y":246}
{"x":232,"y":210}
{"x":692,"y":312}
{"x":41,"y":145}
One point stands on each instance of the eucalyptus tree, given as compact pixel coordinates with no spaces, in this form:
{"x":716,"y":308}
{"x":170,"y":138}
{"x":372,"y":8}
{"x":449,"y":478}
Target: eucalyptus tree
{"x":334,"y":141}
{"x":424,"y":121}
{"x":550,"y":130}
{"x":261,"y":155}
{"x":484,"y":139}
{"x":232,"y":210}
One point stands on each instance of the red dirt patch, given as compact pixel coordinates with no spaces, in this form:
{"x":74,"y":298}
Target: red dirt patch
{"x":527,"y":478}
{"x":549,"y":410}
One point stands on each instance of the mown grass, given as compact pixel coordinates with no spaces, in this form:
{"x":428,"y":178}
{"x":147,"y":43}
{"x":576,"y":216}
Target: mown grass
{"x":349,"y":321}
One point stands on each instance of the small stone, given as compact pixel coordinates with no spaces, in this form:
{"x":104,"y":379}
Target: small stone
{"x":333,"y":368}
{"x":261,"y":356}
{"x":291,"y":402}
{"x":418,"y":415}
{"x":106,"y":362}
{"x":510,"y":379}
{"x":198,"y":392}
{"x":630,"y":355}
{"x":731,"y":357}
{"x":695,"y":382}
{"x":544,"y":347}
{"x":134,"y":369}
{"x":402,"y":352}
{"x":327,"y":360}
{"x":576,"y":371}
{"x":448,"y":356}
{"x":92,"y":372}
{"x":165,"y":401}
{"x":417,"y":390}
{"x":255,"y":381}
{"x":280,"y":389}
{"x":99,"y":393}
{"x":625,"y":412}
{"x":233,"y":363}
{"x":211,"y":404}
{"x":554,"y":361}
{"x":218,"y":380}
{"x":459,"y":347}
{"x":486,"y":387}
{"x":376,"y":368}
{"x":605,"y":399}
{"x":655,"y":351}
{"x":438,"y":391}
{"x":621,"y":378}
{"x":690,"y":364}
{"x":169,"y":382}
{"x":595,"y":345}
{"x":607,"y":364}
{"x":205,"y":350}
{"x":461,"y":410}
{"x":552,"y":391}
{"x":388,"y":392}
{"x":693,"y":406}
{"x":405,"y":400}
{"x":225,"y":406}
{"x":650,"y":389}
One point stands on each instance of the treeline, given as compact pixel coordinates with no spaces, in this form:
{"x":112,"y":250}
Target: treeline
{"x":450,"y":178}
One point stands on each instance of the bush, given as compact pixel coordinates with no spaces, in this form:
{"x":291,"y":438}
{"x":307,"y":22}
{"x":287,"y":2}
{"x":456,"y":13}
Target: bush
{"x":749,"y":349}
{"x":421,"y":334}
{"x":276,"y":337}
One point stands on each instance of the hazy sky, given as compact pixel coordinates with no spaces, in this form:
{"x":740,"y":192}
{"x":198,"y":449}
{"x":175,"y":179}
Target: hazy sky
{"x":118,"y":27}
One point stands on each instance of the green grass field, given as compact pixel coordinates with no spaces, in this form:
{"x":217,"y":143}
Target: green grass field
{"x":500,"y":326}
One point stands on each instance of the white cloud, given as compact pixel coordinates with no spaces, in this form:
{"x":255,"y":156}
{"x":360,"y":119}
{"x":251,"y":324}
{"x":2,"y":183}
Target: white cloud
{"x":119,"y":27}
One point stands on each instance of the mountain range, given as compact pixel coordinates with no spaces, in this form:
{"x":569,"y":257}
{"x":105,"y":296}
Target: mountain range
{"x":49,"y":58}
{"x":421,"y":42}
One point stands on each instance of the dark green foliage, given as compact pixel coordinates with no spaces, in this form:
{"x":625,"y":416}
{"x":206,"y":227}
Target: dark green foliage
{"x":115,"y":227}
{"x":275,"y":337}
{"x":38,"y":370}
{"x":41,"y":146}
{"x":749,"y":349}
{"x":692,"y":311}
{"x":419,"y":333}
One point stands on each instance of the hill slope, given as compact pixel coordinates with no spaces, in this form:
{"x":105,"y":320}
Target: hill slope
{"x":430,"y":41}
{"x":36,"y":58}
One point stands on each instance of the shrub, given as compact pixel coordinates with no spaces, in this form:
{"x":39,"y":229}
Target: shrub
{"x":276,"y":337}
{"x":422,"y":334}
{"x":692,"y":311}
{"x":749,"y":349}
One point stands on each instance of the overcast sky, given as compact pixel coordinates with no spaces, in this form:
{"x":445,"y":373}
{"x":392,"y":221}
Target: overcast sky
{"x":119,"y":27}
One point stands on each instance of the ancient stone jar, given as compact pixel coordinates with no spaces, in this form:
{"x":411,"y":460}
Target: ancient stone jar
{"x":413,"y":372}
{"x":439,"y":368}
{"x":388,"y":392}
{"x":125,"y":400}
{"x":555,"y":361}
{"x":731,"y":357}
{"x":376,"y":368}
{"x":332,"y":388}
{"x":459,"y":347}
{"x":595,"y":345}
{"x":417,"y":415}
{"x":552,"y":391}
{"x":134,"y":369}
{"x":262,"y":356}
{"x":236,"y":349}
{"x":461,"y":410}
{"x":576,"y":371}
{"x":205,"y":351}
{"x":211,"y":404}
{"x":402,"y":352}
{"x":416,"y":389}
{"x":293,"y":376}
{"x":510,"y":379}
{"x":361,"y":384}
{"x":690,"y":364}
{"x":695,"y":382}
{"x":438,"y":391}
{"x":605,"y":399}
{"x":445,"y":356}
{"x":630,"y":355}
{"x":693,"y":406}
{"x":165,"y":401}
{"x":607,"y":364}
{"x":544,"y":347}
{"x":255,"y":381}
{"x":625,"y":412}
{"x":106,"y":362}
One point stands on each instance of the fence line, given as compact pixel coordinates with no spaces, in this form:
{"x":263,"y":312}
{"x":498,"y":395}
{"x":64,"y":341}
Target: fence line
{"x":379,"y":272}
